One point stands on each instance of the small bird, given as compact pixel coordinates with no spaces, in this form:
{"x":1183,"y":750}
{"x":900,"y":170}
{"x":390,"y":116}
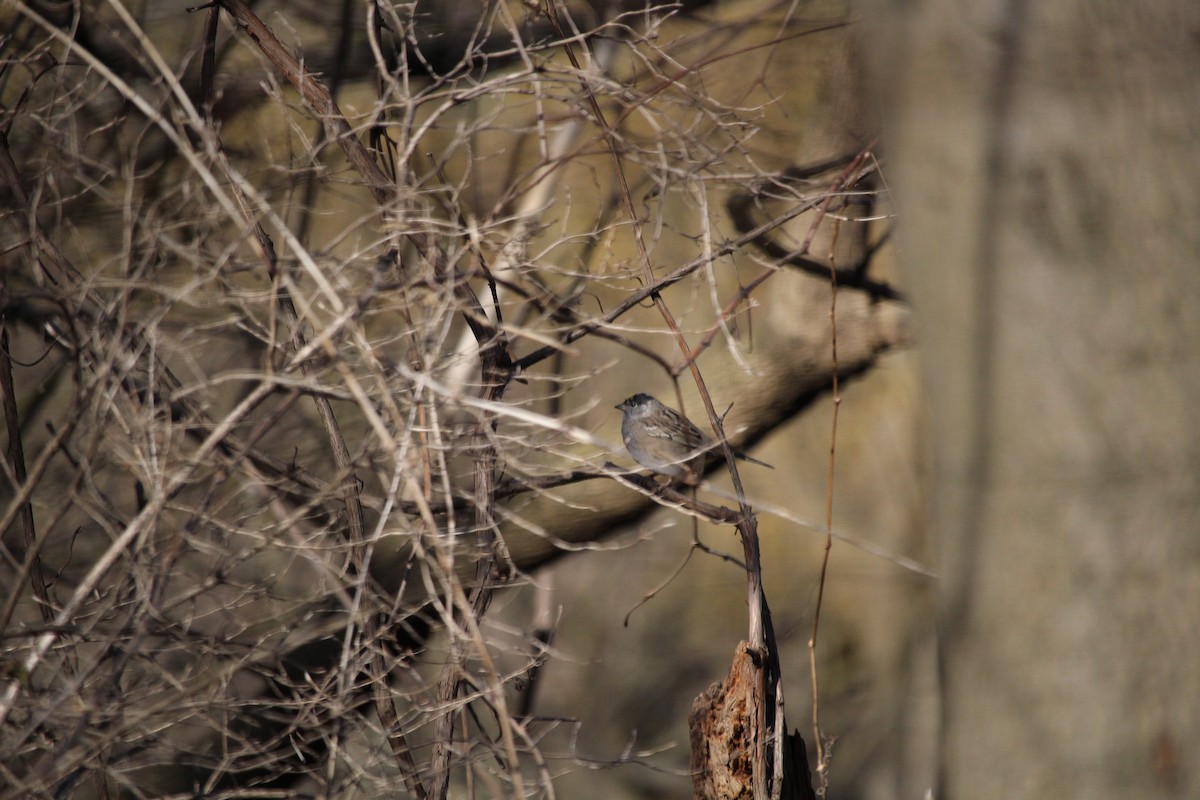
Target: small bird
{"x":662,"y":439}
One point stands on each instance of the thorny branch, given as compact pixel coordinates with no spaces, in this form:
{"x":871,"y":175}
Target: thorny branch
{"x":197,"y":580}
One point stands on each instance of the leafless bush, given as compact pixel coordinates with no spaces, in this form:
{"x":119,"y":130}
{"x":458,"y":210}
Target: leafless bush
{"x":302,"y":341}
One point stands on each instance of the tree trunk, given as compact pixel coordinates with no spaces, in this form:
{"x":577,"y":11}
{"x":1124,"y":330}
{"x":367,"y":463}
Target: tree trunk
{"x":1045,"y":160}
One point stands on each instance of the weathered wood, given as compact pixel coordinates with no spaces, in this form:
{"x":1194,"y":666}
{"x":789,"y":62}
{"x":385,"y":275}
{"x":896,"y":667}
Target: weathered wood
{"x":723,"y":723}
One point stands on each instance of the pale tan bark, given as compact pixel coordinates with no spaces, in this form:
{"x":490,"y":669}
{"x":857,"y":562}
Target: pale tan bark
{"x":1045,"y":159}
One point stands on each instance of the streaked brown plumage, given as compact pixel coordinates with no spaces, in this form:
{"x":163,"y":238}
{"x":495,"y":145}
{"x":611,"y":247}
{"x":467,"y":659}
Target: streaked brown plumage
{"x":660,"y":438}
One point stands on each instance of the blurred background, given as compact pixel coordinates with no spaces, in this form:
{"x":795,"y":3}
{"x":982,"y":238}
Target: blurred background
{"x":244,"y":372}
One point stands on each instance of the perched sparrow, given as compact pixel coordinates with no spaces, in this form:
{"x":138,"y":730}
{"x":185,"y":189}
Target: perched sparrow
{"x":664,"y":440}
